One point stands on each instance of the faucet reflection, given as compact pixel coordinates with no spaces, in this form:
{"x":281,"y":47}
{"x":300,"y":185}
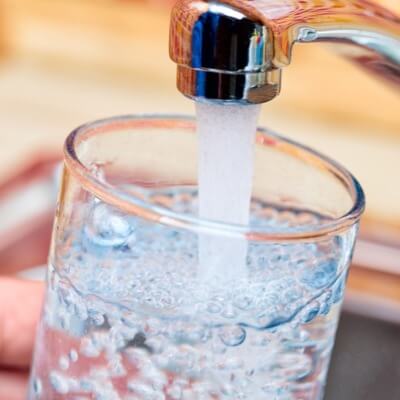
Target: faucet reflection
{"x":234,"y":50}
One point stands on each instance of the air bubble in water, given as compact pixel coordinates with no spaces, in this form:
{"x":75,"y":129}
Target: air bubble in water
{"x":201,"y":390}
{"x":274,"y":317}
{"x":107,"y":227}
{"x":229,"y":312}
{"x":262,"y":339}
{"x":174,"y":392}
{"x":88,"y":348}
{"x":217,"y":346}
{"x":37,"y":386}
{"x":321,"y":275}
{"x":310,"y":312}
{"x":292,"y":294}
{"x":145,"y":391}
{"x":232,"y":335}
{"x":186,"y":332}
{"x":156,"y":344}
{"x":325,"y":308}
{"x":63,"y":363}
{"x":73,"y":355}
{"x":59,"y":383}
{"x":339,"y":290}
{"x":155,"y":377}
{"x":214,"y":308}
{"x":182,"y":360}
{"x":86,"y":385}
{"x":243,"y":302}
{"x":294,"y":366}
{"x":271,"y":390}
{"x":228,"y":390}
{"x":97,"y":318}
{"x":231,"y":363}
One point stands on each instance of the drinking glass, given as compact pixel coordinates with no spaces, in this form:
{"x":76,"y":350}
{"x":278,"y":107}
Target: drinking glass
{"x":129,"y":312}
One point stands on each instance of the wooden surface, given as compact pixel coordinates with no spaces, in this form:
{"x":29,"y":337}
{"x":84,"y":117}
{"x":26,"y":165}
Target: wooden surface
{"x":68,"y":62}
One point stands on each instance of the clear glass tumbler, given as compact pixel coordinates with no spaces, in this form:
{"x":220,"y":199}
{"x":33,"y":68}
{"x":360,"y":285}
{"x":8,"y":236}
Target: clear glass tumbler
{"x":129,"y":313}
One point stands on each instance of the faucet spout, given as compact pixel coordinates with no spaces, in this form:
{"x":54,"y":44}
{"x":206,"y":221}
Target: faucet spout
{"x":234,"y":50}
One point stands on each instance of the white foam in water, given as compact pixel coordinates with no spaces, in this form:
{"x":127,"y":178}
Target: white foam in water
{"x":226,"y":156}
{"x":136,"y":321}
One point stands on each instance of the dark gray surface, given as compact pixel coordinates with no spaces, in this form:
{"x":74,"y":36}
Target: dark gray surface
{"x":366,"y":361}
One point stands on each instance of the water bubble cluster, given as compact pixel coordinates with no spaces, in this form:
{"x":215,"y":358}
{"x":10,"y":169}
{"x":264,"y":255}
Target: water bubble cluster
{"x":108,"y":227}
{"x":130,"y":296}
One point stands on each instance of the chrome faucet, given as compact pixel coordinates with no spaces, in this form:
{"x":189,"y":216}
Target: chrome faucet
{"x":234,"y":50}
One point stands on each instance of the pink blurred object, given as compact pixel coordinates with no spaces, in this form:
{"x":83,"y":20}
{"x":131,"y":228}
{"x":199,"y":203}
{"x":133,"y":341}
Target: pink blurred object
{"x":27,"y":204}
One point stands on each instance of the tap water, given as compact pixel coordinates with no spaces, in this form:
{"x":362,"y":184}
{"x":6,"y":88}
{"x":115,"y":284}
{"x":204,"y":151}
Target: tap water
{"x":137,"y":310}
{"x":127,"y":317}
{"x":226,"y":135}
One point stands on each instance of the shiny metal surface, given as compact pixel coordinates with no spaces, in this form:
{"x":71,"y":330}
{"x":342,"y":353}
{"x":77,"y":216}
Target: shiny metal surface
{"x":220,"y":86}
{"x":222,"y":54}
{"x":233,"y":51}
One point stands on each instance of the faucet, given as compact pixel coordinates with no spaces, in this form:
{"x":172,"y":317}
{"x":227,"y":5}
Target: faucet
{"x":235,"y":50}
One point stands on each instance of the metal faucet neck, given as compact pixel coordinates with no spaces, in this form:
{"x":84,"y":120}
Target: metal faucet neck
{"x":234,"y":50}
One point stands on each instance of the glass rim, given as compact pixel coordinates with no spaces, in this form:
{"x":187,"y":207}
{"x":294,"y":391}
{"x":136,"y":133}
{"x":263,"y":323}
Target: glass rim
{"x":158,"y":214}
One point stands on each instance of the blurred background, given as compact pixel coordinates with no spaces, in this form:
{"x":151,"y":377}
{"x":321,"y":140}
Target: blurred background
{"x":66,"y":62}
